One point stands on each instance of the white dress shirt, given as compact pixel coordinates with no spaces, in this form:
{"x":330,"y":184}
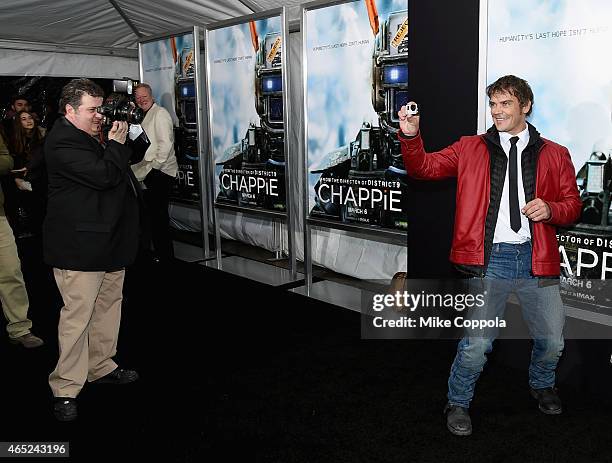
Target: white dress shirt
{"x":503,"y":231}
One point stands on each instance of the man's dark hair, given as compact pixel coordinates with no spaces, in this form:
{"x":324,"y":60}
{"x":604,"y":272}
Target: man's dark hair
{"x":74,"y":90}
{"x":514,"y":86}
{"x":19,"y":97}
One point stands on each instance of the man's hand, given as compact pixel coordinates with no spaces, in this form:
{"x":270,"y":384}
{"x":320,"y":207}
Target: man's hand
{"x":408,"y":124}
{"x":118,"y":132}
{"x":23,"y":170}
{"x":536,"y":210}
{"x":23,"y":185}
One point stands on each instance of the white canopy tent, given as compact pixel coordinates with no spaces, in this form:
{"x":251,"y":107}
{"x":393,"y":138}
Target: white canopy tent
{"x":103,"y":33}
{"x":99,"y":39}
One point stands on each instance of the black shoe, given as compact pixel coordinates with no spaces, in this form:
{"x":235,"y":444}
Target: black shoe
{"x":458,"y":420}
{"x":28,"y":341}
{"x":65,"y":409}
{"x":118,"y":376}
{"x":548,"y":400}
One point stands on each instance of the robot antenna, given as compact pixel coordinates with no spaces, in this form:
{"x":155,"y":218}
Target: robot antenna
{"x":254,"y":38}
{"x":373,"y":14}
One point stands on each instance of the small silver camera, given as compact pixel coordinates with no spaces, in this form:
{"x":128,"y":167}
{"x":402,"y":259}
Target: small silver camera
{"x":412,"y":109}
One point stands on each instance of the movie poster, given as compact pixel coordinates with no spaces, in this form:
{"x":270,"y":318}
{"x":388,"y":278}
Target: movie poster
{"x":247,"y":124}
{"x":168,"y":65}
{"x":356,"y":82}
{"x":586,"y":264}
{"x":562,"y":48}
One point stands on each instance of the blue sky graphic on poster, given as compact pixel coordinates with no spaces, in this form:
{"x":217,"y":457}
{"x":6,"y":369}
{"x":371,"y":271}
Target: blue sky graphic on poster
{"x":232,"y":85}
{"x":160,"y":68}
{"x":339,"y":81}
{"x":562,"y":48}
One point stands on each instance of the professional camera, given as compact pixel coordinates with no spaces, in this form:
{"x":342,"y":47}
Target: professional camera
{"x":119,"y":108}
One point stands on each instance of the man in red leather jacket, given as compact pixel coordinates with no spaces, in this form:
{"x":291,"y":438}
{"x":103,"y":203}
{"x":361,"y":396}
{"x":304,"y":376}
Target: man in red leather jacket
{"x":513,"y":188}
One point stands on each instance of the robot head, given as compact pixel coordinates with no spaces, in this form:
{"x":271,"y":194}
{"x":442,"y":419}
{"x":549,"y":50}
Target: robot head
{"x":603,"y":148}
{"x":269,"y":83}
{"x":185,"y":91}
{"x":390,"y":68}
{"x":186,"y":64}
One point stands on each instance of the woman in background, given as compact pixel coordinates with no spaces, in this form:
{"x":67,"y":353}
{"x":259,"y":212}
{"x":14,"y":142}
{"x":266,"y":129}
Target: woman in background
{"x":27,"y":198}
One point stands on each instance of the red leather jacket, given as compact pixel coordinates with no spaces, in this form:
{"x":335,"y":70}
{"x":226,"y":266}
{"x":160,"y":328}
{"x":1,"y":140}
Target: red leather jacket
{"x":469,"y":160}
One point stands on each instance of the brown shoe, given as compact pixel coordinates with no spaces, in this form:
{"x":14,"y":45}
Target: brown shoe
{"x":28,"y":340}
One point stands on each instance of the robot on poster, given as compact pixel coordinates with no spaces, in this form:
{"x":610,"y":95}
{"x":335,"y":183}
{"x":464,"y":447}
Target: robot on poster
{"x":357,"y":80}
{"x":247,"y":118}
{"x":169,"y":67}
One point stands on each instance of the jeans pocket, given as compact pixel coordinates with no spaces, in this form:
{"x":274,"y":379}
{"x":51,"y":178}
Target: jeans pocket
{"x":543,"y":282}
{"x":475,"y":285}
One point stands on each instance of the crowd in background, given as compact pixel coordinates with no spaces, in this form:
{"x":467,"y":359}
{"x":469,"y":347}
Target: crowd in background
{"x":25,"y":186}
{"x":23,"y":193}
{"x":25,"y":121}
{"x":81,"y":199}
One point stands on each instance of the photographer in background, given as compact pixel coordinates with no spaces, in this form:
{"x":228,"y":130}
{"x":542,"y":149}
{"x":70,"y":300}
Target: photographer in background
{"x":90,"y":235}
{"x":157,"y":170}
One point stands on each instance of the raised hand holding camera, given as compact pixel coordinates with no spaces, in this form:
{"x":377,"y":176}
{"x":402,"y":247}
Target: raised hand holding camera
{"x":118,"y":132}
{"x":409,"y":119}
{"x":119,"y":108}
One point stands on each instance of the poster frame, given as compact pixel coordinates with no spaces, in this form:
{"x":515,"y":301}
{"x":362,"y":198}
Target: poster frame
{"x":366,"y":229}
{"x":396,"y":236}
{"x":572,"y":310}
{"x":483,"y":45}
{"x":202,"y":168}
{"x":273,"y":216}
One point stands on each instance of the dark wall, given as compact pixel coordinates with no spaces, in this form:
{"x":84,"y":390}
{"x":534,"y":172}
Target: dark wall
{"x":443,"y":63}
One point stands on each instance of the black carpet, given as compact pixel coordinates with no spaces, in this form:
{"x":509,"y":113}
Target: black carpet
{"x":233,"y":370}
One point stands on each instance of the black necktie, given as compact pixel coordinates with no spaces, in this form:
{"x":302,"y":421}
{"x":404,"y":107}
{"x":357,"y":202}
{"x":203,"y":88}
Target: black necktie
{"x":515,"y":213}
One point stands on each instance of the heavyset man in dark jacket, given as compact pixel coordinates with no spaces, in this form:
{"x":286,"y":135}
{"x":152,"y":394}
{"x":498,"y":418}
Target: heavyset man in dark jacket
{"x":90,"y":235}
{"x":513,"y":188}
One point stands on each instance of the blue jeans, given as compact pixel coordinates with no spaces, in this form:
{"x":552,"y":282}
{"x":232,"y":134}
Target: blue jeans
{"x":509,"y":271}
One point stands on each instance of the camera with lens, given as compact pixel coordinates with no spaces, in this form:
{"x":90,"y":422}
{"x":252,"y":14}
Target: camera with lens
{"x":120,"y":108}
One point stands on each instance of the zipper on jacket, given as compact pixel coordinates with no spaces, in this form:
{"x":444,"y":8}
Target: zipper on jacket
{"x":535,"y":195}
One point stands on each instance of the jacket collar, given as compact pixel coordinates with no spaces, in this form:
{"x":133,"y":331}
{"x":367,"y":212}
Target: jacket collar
{"x":152,"y":110}
{"x":492,"y":136}
{"x":66,"y":123}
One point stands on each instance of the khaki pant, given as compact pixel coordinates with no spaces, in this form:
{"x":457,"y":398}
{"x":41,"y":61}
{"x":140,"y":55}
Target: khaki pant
{"x":13,"y":293}
{"x":88,"y":328}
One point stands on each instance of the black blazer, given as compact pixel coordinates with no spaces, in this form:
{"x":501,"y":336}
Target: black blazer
{"x":92,"y":221}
